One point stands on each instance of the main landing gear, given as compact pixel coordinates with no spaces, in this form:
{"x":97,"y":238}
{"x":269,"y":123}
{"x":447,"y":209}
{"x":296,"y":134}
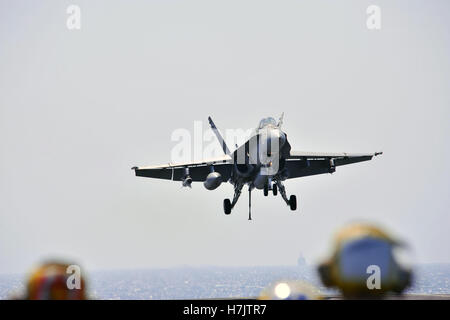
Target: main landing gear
{"x":227,"y":204}
{"x":292,"y":201}
{"x":276,"y":186}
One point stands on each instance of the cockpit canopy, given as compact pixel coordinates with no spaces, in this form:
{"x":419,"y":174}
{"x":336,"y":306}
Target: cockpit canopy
{"x":266,"y":122}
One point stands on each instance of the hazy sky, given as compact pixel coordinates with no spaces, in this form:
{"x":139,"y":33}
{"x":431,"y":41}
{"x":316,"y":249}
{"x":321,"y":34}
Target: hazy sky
{"x":79,"y":108}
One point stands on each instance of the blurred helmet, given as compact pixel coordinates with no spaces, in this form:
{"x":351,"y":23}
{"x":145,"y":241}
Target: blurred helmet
{"x":290,"y":290}
{"x":50,"y":282}
{"x":365,"y":261}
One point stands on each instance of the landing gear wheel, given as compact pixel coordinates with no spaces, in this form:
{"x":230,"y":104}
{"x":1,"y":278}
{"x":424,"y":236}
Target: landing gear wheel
{"x":266,"y":190}
{"x":293,"y":202}
{"x":275,"y":189}
{"x":227,"y":206}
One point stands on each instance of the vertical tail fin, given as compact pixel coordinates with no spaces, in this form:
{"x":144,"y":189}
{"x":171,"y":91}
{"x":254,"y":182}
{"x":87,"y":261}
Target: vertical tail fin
{"x":280,"y":122}
{"x":219,"y":137}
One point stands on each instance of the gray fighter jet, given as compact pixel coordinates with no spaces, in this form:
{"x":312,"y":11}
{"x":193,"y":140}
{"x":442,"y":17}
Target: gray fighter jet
{"x":264,"y":162}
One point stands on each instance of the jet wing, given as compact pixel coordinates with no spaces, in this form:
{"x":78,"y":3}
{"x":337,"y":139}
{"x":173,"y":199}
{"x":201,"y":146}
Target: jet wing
{"x":198,"y":170}
{"x":303,"y":163}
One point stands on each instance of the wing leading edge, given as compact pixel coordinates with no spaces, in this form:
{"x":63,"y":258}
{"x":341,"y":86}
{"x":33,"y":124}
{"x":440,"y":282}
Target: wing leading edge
{"x":197,"y":170}
{"x":301,"y":163}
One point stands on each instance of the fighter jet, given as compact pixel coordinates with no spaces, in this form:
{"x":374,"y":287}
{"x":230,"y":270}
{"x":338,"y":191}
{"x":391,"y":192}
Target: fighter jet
{"x":264,"y":162}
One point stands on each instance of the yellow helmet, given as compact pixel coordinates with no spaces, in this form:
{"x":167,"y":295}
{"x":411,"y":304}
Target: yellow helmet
{"x":365,"y":262}
{"x":49,"y":282}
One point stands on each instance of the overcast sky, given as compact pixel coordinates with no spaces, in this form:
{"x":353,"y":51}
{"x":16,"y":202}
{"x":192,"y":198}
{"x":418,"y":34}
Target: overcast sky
{"x":79,"y":108}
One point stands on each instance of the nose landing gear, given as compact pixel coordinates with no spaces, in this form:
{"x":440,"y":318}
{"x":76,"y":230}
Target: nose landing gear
{"x":273,"y":187}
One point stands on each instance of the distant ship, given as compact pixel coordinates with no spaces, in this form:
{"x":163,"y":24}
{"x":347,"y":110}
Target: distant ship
{"x":301,"y":262}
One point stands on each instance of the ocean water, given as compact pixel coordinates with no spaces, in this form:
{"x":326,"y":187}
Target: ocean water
{"x":215,"y":282}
